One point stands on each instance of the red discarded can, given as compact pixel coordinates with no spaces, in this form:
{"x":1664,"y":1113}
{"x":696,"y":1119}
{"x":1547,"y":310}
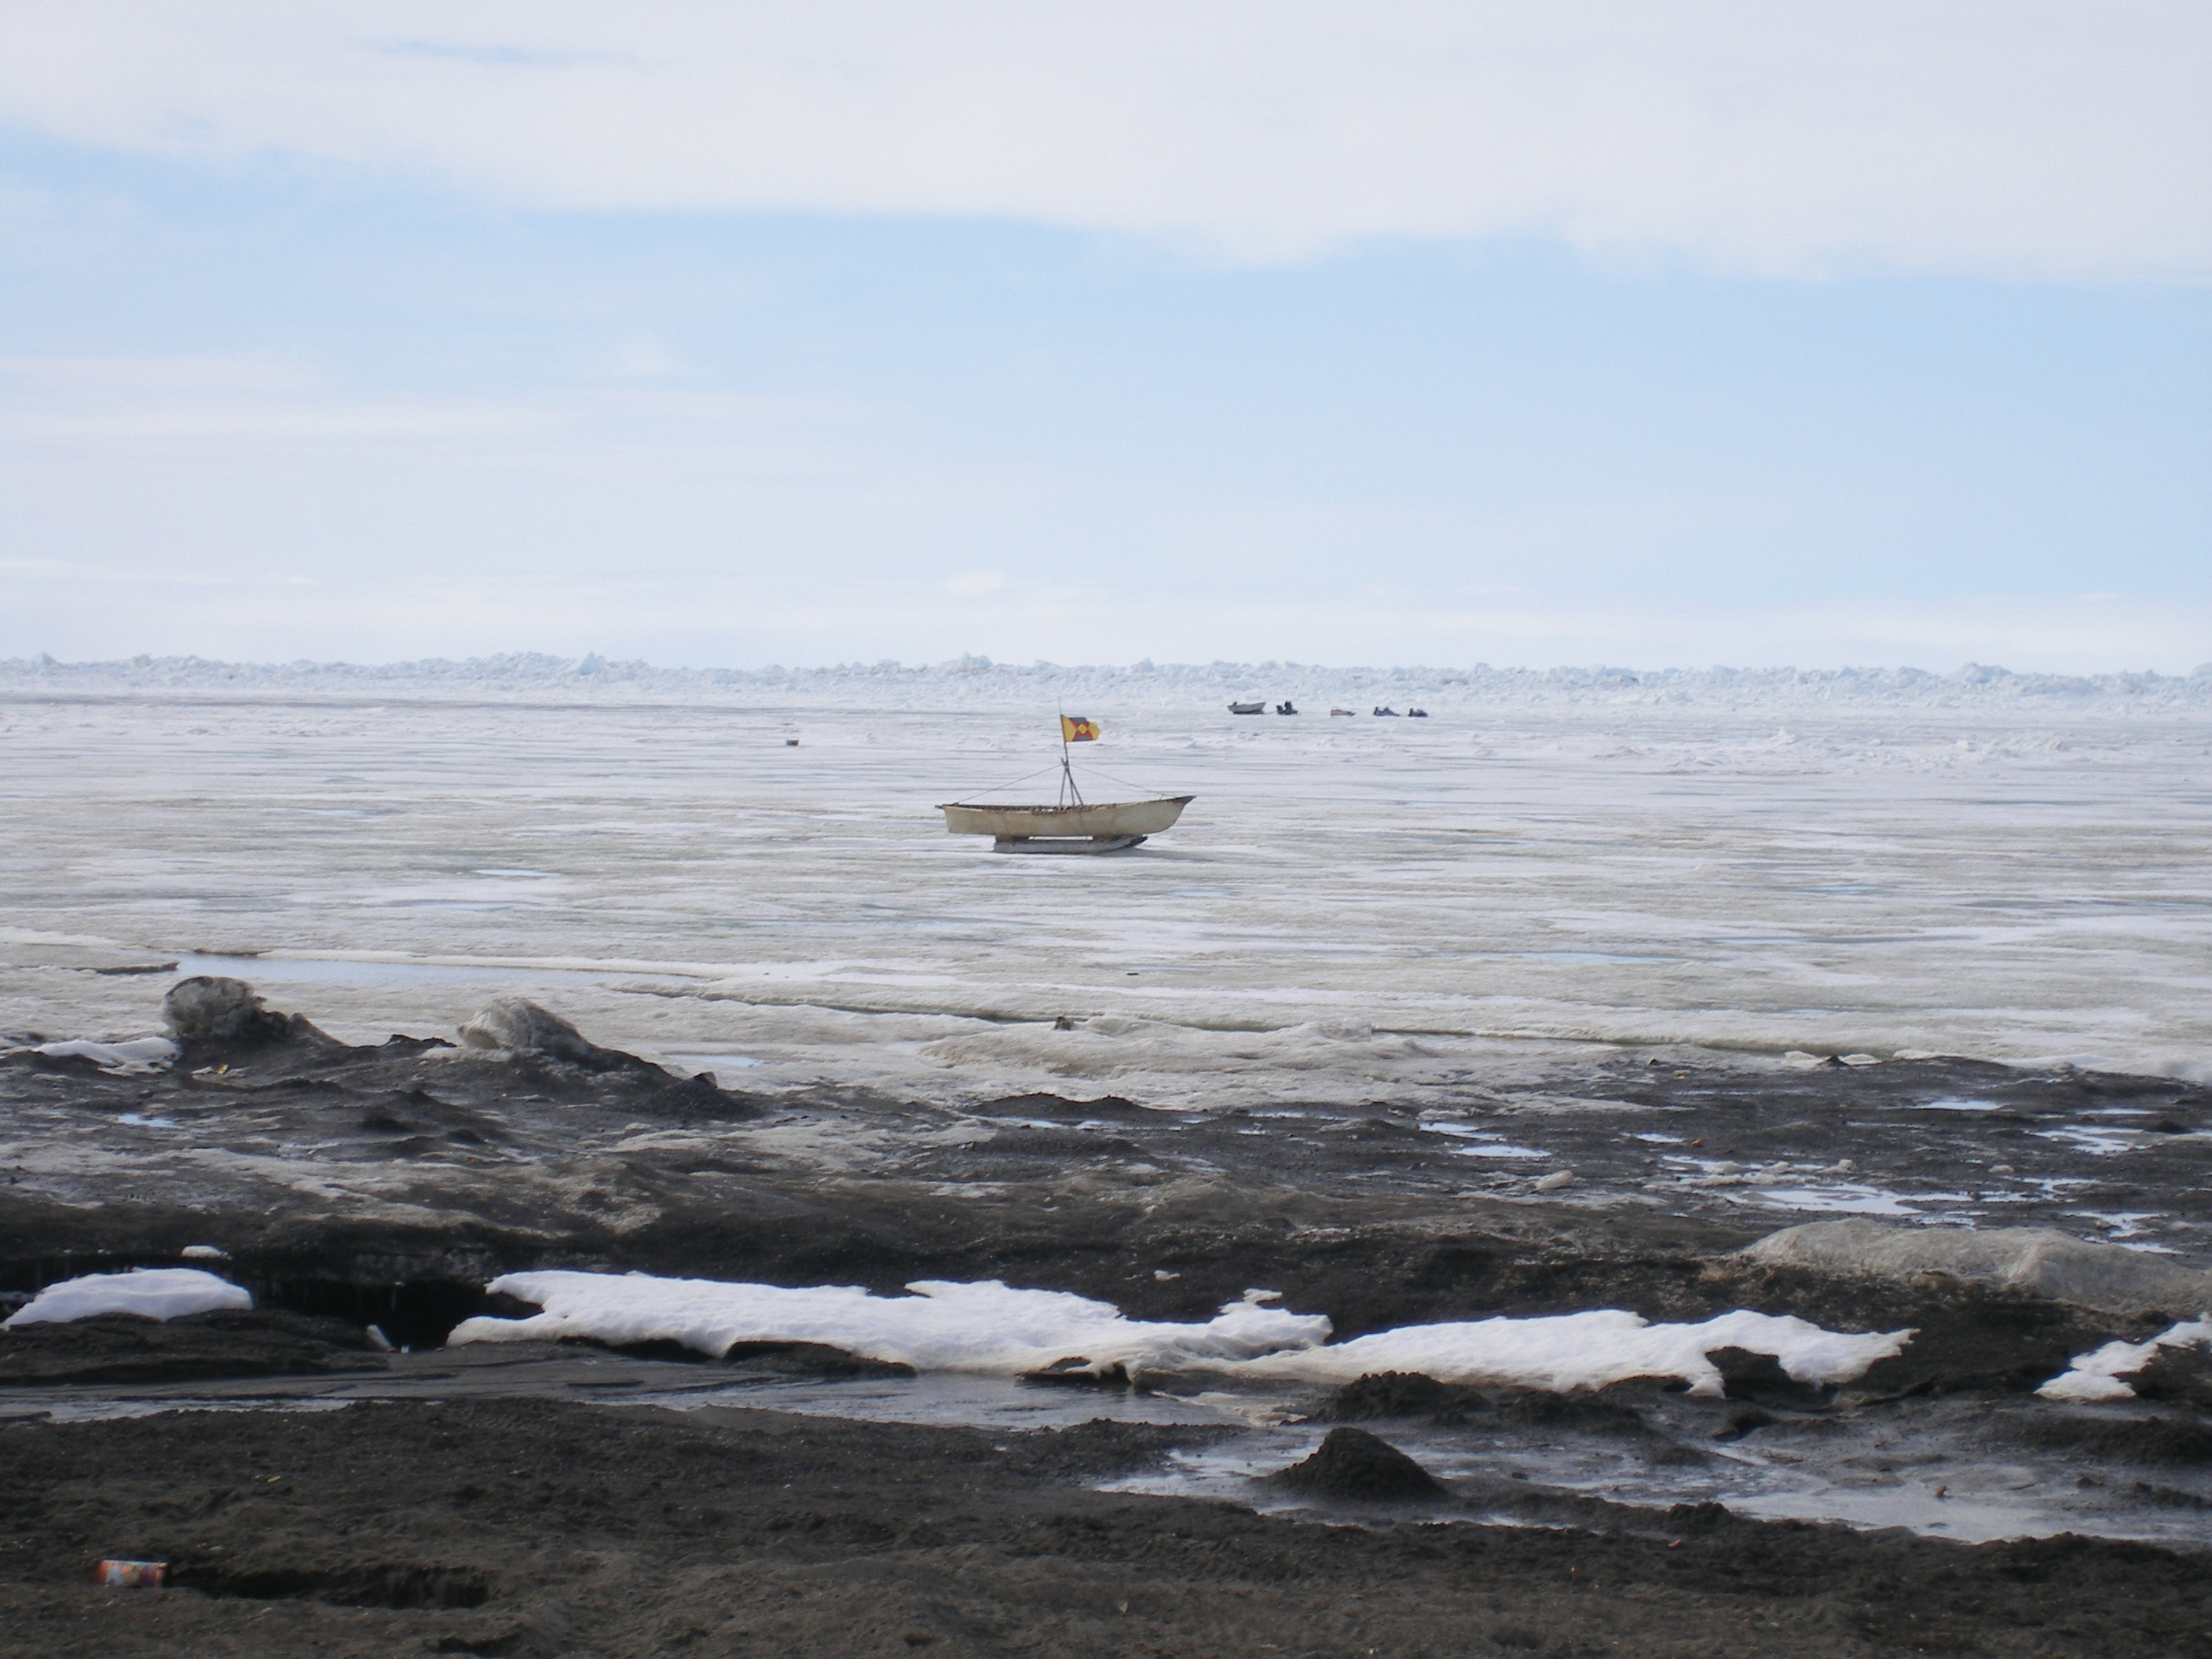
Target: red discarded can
{"x":132,"y":1575}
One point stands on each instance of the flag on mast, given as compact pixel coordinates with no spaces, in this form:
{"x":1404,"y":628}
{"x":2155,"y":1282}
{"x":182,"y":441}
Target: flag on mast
{"x":1074,"y":728}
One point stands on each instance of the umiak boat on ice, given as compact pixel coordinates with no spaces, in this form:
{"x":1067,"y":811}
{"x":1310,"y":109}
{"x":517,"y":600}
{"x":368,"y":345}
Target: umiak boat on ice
{"x":1072,"y":825}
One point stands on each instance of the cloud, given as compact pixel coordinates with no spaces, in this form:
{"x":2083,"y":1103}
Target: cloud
{"x":92,"y":402}
{"x":247,"y":405}
{"x":973,"y":583}
{"x":2054,"y":138}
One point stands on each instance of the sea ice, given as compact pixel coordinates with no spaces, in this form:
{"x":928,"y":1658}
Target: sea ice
{"x":156,"y":1293}
{"x":519,"y":1024}
{"x":1552,"y":866}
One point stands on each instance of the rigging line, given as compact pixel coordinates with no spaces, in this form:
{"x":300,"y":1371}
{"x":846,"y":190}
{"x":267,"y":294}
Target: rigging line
{"x":1024,"y":778}
{"x":1130,"y":783}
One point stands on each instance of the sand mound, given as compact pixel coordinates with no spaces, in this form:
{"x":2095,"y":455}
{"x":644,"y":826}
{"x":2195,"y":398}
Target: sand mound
{"x":1354,"y":1466}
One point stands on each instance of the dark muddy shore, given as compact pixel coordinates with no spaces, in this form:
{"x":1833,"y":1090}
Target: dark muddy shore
{"x":524,"y":1527}
{"x":387,"y":1184}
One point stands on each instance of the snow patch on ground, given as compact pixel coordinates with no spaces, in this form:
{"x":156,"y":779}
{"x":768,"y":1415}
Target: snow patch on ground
{"x":991,"y":1328}
{"x":139,"y":1055}
{"x":1587,"y":1351}
{"x":155,"y":1292}
{"x":2097,"y":1375}
{"x":941,"y":1327}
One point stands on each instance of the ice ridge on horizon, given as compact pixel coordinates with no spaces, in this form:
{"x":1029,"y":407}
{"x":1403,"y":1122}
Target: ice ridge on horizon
{"x":978,"y":678}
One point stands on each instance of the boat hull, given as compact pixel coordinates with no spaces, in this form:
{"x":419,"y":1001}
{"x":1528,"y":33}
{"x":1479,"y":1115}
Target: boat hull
{"x":1108,"y":820}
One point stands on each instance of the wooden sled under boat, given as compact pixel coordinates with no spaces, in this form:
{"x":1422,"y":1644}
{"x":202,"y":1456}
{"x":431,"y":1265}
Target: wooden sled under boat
{"x":1067,"y":844}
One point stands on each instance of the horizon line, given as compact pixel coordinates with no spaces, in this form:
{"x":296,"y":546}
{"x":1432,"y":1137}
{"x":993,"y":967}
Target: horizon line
{"x":592,"y":664}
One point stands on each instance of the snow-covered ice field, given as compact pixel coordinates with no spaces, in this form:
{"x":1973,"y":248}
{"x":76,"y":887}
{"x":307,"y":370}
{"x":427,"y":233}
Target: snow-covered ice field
{"x":1546,"y":868}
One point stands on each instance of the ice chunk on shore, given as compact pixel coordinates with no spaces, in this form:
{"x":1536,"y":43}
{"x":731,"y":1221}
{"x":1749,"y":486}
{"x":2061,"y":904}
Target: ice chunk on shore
{"x":519,"y":1025}
{"x":2097,"y":1375}
{"x":991,"y":1328}
{"x":941,"y":1327}
{"x":156,"y":1293}
{"x":2037,"y":1260}
{"x":1588,"y":1350}
{"x":137,"y":1055}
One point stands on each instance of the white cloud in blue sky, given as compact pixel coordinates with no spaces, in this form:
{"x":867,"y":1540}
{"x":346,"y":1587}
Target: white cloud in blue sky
{"x":1650,"y":333}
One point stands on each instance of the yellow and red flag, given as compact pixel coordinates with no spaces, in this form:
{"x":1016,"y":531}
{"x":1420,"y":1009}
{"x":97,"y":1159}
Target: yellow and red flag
{"x":1074,"y":728}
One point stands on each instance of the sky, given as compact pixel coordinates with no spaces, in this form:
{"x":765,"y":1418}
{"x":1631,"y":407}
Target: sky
{"x":1647,"y":332}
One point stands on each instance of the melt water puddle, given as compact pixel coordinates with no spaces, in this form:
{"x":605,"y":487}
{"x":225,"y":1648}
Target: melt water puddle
{"x":51,"y":1410}
{"x":2098,"y":1139}
{"x":1842,"y":1201}
{"x":1947,"y":1469}
{"x":1937,"y":1472}
{"x":1970,"y":1469}
{"x":949,"y":1398}
{"x":258,"y":970}
{"x":1481,"y":1143}
{"x":1799,"y":1187}
{"x":717,"y":1063}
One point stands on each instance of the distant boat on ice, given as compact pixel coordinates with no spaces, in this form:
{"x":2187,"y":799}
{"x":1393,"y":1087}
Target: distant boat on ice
{"x":1072,"y":825}
{"x":1247,"y":708}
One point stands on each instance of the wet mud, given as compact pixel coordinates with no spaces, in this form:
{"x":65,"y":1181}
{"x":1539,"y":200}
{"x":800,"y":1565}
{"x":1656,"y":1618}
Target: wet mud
{"x":110,"y":1348}
{"x":529,"y":1528}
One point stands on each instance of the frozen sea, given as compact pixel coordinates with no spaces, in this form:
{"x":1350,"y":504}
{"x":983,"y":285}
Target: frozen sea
{"x":1547,"y":870}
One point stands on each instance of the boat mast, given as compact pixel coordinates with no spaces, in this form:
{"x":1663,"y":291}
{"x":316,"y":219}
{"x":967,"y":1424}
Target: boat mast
{"x":1067,"y":765}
